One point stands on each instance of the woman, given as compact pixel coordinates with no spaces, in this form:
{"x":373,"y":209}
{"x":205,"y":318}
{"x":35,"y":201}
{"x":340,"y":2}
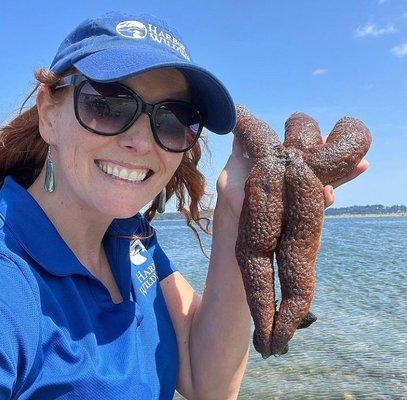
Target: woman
{"x":87,"y":312}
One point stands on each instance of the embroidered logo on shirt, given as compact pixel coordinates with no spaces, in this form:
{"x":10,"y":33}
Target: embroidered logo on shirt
{"x":146,"y":276}
{"x":135,"y":253}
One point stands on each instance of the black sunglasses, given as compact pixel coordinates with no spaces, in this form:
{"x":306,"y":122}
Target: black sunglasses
{"x":111,"y":108}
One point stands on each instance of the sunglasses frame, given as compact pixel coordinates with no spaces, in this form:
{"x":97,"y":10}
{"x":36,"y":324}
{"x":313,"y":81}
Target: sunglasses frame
{"x":79,"y":80}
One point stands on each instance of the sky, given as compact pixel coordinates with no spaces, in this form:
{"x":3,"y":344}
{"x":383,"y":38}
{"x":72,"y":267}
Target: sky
{"x":328,"y":59}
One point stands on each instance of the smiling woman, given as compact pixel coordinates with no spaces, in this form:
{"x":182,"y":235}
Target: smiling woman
{"x":82,"y":153}
{"x":88,"y":299}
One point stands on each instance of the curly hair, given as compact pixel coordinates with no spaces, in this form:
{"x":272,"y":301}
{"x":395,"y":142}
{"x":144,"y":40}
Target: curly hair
{"x":23,"y":153}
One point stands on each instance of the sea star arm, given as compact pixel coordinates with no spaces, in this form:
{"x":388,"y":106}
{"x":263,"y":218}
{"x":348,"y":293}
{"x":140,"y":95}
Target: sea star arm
{"x":259,"y":229}
{"x":256,"y":135}
{"x":345,"y":146}
{"x":302,"y":132}
{"x":297,"y":249}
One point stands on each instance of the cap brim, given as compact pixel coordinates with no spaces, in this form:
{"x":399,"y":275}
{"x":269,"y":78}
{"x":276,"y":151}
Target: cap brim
{"x":124,"y":62}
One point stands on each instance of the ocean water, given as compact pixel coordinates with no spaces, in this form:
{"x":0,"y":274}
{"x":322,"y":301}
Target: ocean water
{"x":357,"y":349}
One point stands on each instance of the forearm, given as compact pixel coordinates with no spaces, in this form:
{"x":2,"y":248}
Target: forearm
{"x":220,"y":329}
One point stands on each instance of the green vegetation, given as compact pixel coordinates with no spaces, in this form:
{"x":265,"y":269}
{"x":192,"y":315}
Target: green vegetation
{"x":369,"y":209}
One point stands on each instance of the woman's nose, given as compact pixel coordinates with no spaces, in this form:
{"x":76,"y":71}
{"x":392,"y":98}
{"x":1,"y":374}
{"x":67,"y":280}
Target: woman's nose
{"x":139,"y":136}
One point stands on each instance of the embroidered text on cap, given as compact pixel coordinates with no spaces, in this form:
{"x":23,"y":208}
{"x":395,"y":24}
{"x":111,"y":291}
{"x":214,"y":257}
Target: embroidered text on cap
{"x":138,"y":30}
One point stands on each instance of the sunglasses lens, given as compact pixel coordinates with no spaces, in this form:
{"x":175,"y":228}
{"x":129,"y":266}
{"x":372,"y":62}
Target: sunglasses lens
{"x":177,"y":125}
{"x":106,"y":108}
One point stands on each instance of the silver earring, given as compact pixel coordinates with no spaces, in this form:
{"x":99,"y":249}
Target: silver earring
{"x":162,"y":199}
{"x":49,"y":183}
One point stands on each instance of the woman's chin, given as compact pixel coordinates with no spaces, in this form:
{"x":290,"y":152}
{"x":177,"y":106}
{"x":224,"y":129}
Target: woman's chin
{"x":112,"y":209}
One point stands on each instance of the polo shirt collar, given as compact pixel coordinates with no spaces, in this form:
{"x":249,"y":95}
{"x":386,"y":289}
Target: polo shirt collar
{"x":40,"y":239}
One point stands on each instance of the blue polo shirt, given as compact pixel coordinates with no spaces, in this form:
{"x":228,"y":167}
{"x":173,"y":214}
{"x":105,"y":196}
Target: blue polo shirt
{"x":61,"y":336}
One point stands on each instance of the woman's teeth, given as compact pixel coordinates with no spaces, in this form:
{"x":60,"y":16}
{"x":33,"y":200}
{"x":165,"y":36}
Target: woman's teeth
{"x":122,"y":173}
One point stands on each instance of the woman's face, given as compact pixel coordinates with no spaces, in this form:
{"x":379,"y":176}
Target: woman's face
{"x":80,"y":155}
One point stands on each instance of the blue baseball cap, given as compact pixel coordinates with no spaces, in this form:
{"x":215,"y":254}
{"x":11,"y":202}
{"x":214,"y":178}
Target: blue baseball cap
{"x":116,"y":46}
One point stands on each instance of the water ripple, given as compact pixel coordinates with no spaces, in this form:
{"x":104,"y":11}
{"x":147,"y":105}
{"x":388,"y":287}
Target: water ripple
{"x":358,"y":347}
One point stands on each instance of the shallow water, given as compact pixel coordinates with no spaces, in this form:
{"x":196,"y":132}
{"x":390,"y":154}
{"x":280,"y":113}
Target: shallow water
{"x":358,"y":346}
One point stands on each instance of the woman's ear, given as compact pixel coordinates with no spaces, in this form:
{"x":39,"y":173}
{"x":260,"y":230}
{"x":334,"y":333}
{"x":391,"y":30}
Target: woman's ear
{"x":46,"y":108}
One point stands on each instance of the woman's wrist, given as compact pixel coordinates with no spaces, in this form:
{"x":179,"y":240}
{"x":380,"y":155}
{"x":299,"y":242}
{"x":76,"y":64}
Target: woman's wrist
{"x":225,"y":221}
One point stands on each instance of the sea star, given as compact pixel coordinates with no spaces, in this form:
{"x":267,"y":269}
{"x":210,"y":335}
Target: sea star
{"x":283,"y":213}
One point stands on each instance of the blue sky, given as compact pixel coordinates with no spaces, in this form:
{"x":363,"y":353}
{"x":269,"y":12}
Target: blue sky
{"x":325,"y":58}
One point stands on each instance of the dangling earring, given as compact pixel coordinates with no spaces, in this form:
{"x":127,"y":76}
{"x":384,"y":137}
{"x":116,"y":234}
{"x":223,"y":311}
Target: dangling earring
{"x":49,"y":183}
{"x":162,"y":199}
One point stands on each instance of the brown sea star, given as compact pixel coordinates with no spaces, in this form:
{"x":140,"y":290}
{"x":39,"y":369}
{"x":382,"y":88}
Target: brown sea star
{"x":283,"y":213}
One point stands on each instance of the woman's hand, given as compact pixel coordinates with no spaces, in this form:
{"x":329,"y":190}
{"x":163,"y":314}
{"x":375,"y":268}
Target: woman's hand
{"x":231,"y":181}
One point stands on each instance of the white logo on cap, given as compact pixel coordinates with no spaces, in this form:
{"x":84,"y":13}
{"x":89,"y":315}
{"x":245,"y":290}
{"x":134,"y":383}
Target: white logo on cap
{"x":132,"y":29}
{"x":137,"y":30}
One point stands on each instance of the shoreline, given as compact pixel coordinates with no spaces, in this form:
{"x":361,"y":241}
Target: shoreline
{"x":339,"y":216}
{"x":403,"y":214}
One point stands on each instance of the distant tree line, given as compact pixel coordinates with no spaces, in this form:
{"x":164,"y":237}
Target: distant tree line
{"x":369,"y":209}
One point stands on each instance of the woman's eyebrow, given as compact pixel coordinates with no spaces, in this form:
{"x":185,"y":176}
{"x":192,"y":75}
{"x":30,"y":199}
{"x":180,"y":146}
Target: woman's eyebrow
{"x":182,"y":95}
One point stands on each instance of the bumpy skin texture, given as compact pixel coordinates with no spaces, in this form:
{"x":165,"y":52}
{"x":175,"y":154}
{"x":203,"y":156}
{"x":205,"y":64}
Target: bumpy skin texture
{"x":283,"y":213}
